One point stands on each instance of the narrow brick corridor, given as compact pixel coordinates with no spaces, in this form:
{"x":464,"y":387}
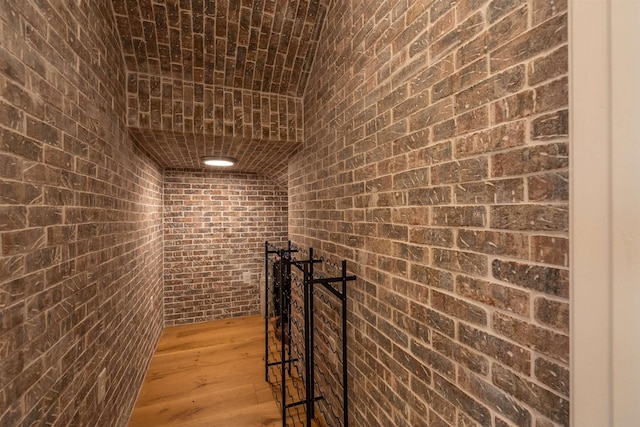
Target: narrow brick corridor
{"x":423,"y":142}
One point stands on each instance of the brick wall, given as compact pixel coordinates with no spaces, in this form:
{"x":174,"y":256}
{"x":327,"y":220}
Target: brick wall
{"x":179,"y":122}
{"x":215,"y":228}
{"x":162,"y":103}
{"x":436,"y":161}
{"x":80,"y":221}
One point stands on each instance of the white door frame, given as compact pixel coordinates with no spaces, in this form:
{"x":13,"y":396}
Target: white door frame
{"x":605,"y":212}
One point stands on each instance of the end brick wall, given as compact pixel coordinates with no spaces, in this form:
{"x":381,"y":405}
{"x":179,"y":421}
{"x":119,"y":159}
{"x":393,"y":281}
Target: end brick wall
{"x":80,"y":221}
{"x":215,"y":228}
{"x":436,"y":162}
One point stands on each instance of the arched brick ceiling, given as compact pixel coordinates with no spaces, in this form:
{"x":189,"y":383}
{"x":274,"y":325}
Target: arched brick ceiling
{"x":261,"y":45}
{"x":218,"y":75}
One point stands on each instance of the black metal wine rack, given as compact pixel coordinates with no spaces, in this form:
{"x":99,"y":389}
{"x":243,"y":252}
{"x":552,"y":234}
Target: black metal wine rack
{"x":291,"y":289}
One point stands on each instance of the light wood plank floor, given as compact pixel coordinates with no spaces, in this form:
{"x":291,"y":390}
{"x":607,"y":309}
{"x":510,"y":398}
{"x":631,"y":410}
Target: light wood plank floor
{"x":208,"y":374}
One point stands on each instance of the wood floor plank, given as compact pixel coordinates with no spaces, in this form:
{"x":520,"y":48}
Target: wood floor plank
{"x":208,"y":375}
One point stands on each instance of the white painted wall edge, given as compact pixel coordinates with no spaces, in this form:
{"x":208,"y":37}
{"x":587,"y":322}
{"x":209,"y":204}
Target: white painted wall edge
{"x":625,"y":170}
{"x":590,"y":209}
{"x":605,"y":212}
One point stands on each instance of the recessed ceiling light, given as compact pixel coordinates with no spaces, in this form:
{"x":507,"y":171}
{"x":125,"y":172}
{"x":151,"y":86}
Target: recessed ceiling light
{"x":219,"y":161}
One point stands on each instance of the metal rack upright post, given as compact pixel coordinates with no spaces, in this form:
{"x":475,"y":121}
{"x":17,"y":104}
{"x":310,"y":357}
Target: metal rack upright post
{"x":284,"y":262}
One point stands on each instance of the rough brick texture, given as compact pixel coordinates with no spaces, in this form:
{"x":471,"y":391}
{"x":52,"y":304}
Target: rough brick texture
{"x":264,"y":46}
{"x":80,"y":221}
{"x":435,"y":161}
{"x":215,"y":226}
{"x":174,"y":105}
{"x":209,"y":72}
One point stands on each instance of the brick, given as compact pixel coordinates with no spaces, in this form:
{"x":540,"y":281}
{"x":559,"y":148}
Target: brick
{"x":432,"y":359}
{"x":18,"y":193}
{"x":552,"y":313}
{"x":17,"y":242}
{"x":529,"y":217}
{"x":439,"y":8}
{"x":393,"y":232}
{"x":42,"y":131}
{"x":506,"y":136}
{"x":544,"y":37}
{"x":464,"y":262}
{"x":411,"y":142}
{"x":429,"y":196}
{"x":432,"y":319}
{"x":439,"y":405}
{"x":10,"y":167}
{"x":551,"y":281}
{"x":42,"y":216}
{"x":11,"y":117}
{"x":12,"y":267}
{"x":514,"y":107}
{"x":413,"y":365}
{"x":415,"y":25}
{"x":494,"y":243}
{"x":464,"y":78}
{"x":553,"y":375}
{"x":396,"y":335}
{"x":548,"y":403}
{"x":500,"y":85}
{"x":490,"y":192}
{"x":472,"y":120}
{"x":466,"y":8}
{"x":466,"y":421}
{"x":12,"y":218}
{"x":431,"y":236}
{"x":435,"y":113}
{"x":437,"y":153}
{"x":458,"y":308}
{"x":541,"y":340}
{"x":552,"y":96}
{"x":431,"y":276}
{"x":462,"y":400}
{"x":543,"y":422}
{"x":461,"y":171}
{"x":436,"y":72}
{"x":499,"y":8}
{"x":462,"y":33}
{"x":11,"y":67}
{"x":462,"y":355}
{"x":495,"y":398}
{"x":497,"y":35}
{"x":542,"y":10}
{"x":411,"y":179}
{"x":550,"y":66}
{"x":509,"y":354}
{"x":492,"y":294}
{"x":413,"y":327}
{"x":11,"y":316}
{"x":530,"y":160}
{"x":550,"y":250}
{"x":550,"y":126}
{"x":410,"y":215}
{"x":549,"y":187}
{"x":444,"y":130}
{"x":391,"y":100}
{"x":459,"y":216}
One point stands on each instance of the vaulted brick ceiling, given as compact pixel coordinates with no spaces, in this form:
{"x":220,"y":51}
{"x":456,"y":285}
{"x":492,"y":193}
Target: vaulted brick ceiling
{"x":247,"y":46}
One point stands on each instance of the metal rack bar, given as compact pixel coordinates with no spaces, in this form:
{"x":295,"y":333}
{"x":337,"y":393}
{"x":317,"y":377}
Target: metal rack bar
{"x":285,"y":261}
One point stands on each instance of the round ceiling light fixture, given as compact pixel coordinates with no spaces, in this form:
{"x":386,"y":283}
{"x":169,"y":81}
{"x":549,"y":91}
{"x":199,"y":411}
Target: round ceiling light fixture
{"x":219,"y":161}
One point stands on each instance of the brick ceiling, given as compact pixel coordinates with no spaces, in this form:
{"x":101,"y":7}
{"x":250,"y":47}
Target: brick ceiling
{"x":270,"y":159}
{"x":266,"y":46}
